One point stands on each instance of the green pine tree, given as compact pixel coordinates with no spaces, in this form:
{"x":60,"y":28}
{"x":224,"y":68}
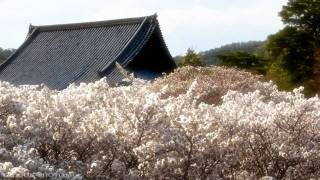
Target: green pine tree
{"x":191,"y":59}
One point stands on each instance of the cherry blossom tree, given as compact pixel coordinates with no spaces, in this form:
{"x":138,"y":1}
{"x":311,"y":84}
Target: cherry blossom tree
{"x":217,"y":123}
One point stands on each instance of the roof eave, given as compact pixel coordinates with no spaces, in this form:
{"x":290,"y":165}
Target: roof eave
{"x":124,"y":57}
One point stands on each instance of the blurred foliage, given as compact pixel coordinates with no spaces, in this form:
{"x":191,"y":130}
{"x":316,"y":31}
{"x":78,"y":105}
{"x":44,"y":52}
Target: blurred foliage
{"x":244,"y":60}
{"x":178,"y":59}
{"x":210,"y":57}
{"x":279,"y":76}
{"x":304,"y":15}
{"x":292,"y":50}
{"x":191,"y":59}
{"x":5,"y":53}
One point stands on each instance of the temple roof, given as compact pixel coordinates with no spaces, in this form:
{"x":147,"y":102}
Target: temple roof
{"x":58,"y":55}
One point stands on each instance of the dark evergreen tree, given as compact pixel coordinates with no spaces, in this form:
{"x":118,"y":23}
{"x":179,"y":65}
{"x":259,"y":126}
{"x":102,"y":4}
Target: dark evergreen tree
{"x":293,"y":50}
{"x":210,"y":57}
{"x":303,"y":14}
{"x":5,"y":53}
{"x":191,"y":59}
{"x":244,"y":61}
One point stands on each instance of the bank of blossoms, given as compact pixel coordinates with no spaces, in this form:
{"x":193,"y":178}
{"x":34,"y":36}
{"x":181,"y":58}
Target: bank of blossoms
{"x":198,"y":126}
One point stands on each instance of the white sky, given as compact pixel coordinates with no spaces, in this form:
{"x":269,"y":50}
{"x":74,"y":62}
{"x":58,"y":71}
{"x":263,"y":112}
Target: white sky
{"x":199,"y":24}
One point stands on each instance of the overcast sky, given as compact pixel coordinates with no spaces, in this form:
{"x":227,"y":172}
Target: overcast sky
{"x":199,"y":24}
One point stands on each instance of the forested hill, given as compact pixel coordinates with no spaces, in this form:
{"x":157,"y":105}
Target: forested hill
{"x":210,"y":57}
{"x":5,"y":53}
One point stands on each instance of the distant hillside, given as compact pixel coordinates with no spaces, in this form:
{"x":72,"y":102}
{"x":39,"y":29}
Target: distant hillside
{"x":210,"y":57}
{"x":177,"y":59}
{"x":5,"y":53}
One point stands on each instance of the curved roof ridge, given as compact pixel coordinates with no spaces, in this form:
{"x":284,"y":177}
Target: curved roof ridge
{"x":92,"y":24}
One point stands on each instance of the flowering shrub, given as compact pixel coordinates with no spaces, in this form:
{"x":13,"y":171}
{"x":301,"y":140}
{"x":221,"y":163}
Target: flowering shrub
{"x":163,"y":129}
{"x":213,"y":82}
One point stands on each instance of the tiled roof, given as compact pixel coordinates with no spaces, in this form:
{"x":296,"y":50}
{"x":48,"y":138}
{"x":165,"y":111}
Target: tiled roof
{"x":57,"y":55}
